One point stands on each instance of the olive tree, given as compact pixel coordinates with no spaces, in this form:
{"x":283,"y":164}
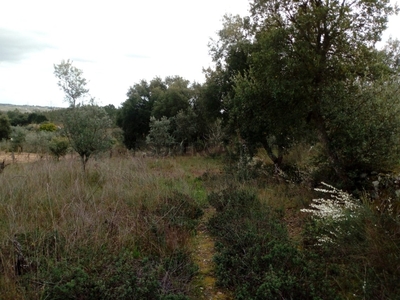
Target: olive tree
{"x":86,"y":126}
{"x":315,"y":72}
{"x":159,"y":137}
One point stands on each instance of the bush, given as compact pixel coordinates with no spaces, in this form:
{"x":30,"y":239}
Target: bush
{"x":38,"y":142}
{"x":18,"y":135}
{"x":47,"y":126}
{"x":59,"y":146}
{"x":89,"y":273}
{"x":255,"y":255}
{"x":357,"y":243}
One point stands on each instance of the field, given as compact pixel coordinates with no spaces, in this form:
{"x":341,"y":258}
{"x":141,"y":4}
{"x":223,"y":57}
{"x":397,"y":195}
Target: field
{"x":178,"y":228}
{"x":23,"y":108}
{"x":54,"y":217}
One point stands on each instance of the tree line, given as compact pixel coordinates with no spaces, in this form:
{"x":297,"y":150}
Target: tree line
{"x":290,"y":72}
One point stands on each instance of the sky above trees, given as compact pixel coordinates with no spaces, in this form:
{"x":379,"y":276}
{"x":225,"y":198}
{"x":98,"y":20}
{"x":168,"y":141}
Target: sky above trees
{"x":116,"y":44}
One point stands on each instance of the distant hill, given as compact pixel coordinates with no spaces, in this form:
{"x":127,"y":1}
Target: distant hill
{"x":26,"y":108}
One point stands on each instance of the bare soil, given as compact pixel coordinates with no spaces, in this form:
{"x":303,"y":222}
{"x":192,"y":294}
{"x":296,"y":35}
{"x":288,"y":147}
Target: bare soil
{"x":203,"y":245}
{"x":19,"y":157}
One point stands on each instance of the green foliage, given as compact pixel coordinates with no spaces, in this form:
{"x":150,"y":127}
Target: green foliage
{"x":356,"y":243}
{"x":38,"y":141}
{"x":87,"y":130}
{"x":255,"y":255}
{"x":159,"y":137}
{"x":182,"y":211}
{"x":185,"y":128}
{"x":307,"y":72}
{"x":18,"y":135}
{"x":58,"y":146}
{"x":36,"y":118}
{"x":17,"y":118}
{"x":174,"y":98}
{"x":5,"y":127}
{"x":134,"y":115}
{"x":159,"y":98}
{"x":112,"y":112}
{"x":123,"y":276}
{"x":47,"y":126}
{"x":230,"y":54}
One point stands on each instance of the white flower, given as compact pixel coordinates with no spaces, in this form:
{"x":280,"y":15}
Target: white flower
{"x":337,"y":208}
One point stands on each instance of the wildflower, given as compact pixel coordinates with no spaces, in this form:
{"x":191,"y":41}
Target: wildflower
{"x":339,"y":207}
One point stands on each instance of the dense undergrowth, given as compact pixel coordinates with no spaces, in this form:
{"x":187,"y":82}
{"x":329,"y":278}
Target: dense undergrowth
{"x":123,"y":230}
{"x":256,"y":257}
{"x":343,"y":252}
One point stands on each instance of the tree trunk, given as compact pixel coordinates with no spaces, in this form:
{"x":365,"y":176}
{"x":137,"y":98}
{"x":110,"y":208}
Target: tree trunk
{"x":323,"y":137}
{"x":277,"y":160}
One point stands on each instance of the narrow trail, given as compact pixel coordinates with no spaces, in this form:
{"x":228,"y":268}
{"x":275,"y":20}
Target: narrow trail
{"x":203,"y":245}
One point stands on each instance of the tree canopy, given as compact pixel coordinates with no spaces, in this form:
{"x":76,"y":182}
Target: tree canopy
{"x":306,"y":71}
{"x":159,"y":98}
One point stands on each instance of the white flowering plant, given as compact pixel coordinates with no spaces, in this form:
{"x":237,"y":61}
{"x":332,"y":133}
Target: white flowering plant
{"x":333,"y":212}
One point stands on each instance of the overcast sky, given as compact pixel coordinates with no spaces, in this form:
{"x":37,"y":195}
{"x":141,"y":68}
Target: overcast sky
{"x":115,"y":43}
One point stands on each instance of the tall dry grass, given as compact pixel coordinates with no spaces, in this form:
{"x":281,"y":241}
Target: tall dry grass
{"x":52,"y":209}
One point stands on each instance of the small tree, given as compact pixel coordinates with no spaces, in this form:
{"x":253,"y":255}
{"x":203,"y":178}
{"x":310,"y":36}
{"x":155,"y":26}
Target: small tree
{"x":71,"y":82}
{"x":58,"y":146}
{"x":86,"y":126}
{"x":38,"y":142}
{"x":87,"y":130}
{"x":18,"y":135}
{"x":185,"y":128}
{"x":159,"y":136}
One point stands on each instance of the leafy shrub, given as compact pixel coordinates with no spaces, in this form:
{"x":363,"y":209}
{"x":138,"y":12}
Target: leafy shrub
{"x":357,"y":242}
{"x":104,"y":275}
{"x":18,"y":135}
{"x":47,"y":126}
{"x":38,"y":141}
{"x":59,"y":146}
{"x":255,"y":255}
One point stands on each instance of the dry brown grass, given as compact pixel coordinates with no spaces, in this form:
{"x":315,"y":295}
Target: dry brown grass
{"x":113,"y":205}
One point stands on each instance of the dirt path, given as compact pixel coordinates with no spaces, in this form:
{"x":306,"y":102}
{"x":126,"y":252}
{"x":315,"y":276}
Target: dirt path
{"x":22,"y":157}
{"x":204,"y":251}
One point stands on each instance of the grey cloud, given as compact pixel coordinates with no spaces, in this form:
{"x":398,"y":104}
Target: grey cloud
{"x":16,"y":45}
